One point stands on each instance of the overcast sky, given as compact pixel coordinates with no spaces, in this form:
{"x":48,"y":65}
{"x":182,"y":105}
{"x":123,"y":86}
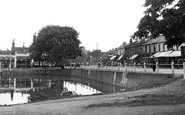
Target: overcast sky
{"x":107,"y":23}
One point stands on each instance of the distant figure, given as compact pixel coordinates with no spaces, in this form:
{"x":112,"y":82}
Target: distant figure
{"x":145,"y":61}
{"x":62,"y":66}
{"x":153,"y":64}
{"x":11,"y":94}
{"x":99,"y":64}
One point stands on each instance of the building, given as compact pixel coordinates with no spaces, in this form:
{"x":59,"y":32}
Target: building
{"x":139,"y":51}
{"x":17,"y":57}
{"x":5,"y":59}
{"x":21,"y":56}
{"x":116,"y":56}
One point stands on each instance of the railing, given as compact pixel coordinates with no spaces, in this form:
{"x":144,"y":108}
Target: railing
{"x":159,"y":68}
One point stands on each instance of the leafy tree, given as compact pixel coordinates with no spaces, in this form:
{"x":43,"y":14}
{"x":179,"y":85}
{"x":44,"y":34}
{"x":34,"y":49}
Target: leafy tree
{"x":163,"y":17}
{"x":83,"y":58}
{"x":56,"y":44}
{"x":96,"y":54}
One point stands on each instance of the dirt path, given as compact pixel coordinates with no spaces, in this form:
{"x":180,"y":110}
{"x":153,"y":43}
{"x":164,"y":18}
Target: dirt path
{"x":158,"y":102}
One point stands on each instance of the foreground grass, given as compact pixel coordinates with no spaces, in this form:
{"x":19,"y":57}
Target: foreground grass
{"x":146,"y":100}
{"x":149,"y":99}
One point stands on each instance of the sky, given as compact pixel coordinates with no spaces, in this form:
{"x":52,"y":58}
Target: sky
{"x":102,"y":24}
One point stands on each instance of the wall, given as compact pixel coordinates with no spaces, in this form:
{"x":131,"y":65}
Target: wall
{"x":119,"y":78}
{"x":124,"y":79}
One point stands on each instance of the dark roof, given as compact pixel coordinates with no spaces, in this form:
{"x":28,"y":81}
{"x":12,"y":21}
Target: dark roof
{"x":136,"y":43}
{"x":20,"y":49}
{"x":5,"y":52}
{"x":159,"y":39}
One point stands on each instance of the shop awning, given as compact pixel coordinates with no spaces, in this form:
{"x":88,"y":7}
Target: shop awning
{"x":175,"y":54}
{"x":134,"y":56}
{"x":113,"y":57}
{"x":22,"y":58}
{"x":156,"y":54}
{"x":164,"y":54}
{"x":120,"y":57}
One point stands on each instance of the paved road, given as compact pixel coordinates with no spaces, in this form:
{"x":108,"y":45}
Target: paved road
{"x":138,"y":69}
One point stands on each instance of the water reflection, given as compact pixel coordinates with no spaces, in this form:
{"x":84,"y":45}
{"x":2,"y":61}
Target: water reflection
{"x":25,"y":90}
{"x":79,"y":89}
{"x":9,"y":98}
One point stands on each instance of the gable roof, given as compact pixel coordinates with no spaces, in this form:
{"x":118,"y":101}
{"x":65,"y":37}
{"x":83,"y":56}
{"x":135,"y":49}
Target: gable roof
{"x":23,"y":50}
{"x":5,"y":52}
{"x":159,"y":39}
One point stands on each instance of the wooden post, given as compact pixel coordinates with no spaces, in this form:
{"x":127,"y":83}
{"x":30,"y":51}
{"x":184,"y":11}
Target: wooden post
{"x":144,"y":66}
{"x":31,"y":84}
{"x":49,"y":83}
{"x":112,"y":65}
{"x":118,"y":66}
{"x":14,"y":84}
{"x":15,"y":60}
{"x":134,"y":67}
{"x":125,"y":66}
{"x":172,"y":66}
{"x":157,"y":67}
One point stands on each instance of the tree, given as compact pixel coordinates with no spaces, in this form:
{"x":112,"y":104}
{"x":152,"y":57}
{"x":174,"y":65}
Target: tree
{"x":56,"y":44}
{"x":163,"y":17}
{"x":96,"y":54}
{"x":83,"y":58}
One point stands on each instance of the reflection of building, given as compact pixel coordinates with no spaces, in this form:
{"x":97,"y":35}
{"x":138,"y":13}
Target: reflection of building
{"x":18,"y":56}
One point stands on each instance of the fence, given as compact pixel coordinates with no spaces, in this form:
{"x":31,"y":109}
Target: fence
{"x":160,"y":68}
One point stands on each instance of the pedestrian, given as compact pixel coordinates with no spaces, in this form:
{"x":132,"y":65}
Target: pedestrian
{"x":153,"y":64}
{"x":99,"y":64}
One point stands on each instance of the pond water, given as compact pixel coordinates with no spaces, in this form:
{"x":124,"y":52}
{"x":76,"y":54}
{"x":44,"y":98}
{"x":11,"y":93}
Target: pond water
{"x":22,"y":90}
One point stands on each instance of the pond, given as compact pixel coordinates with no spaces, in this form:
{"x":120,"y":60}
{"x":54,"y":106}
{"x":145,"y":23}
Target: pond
{"x":22,"y":90}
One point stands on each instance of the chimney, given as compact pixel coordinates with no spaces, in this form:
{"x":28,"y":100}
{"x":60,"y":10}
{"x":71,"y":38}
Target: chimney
{"x":13,"y":43}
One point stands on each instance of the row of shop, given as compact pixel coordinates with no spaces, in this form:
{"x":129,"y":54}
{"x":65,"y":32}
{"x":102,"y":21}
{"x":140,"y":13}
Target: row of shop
{"x":115,"y":60}
{"x":163,"y":58}
{"x":9,"y":62}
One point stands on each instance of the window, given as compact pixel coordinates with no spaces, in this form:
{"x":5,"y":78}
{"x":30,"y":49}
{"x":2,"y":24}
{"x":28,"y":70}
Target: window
{"x":152,"y":48}
{"x":148,"y":49}
{"x":165,"y":48}
{"x":161,"y":47}
{"x":157,"y":48}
